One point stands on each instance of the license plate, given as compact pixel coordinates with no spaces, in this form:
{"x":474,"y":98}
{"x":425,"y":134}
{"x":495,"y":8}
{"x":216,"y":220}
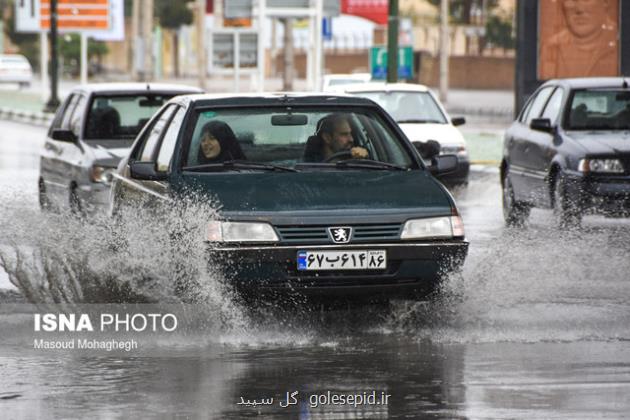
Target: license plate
{"x":342,"y":260}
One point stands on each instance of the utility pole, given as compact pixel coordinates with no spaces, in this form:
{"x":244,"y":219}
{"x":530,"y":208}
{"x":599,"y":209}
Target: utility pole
{"x":444,"y":51}
{"x":201,"y":43}
{"x":287,"y":74}
{"x":53,"y":102}
{"x":392,"y":42}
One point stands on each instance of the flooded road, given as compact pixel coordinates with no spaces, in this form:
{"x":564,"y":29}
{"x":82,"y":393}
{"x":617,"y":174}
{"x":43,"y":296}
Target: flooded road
{"x":538,"y":326}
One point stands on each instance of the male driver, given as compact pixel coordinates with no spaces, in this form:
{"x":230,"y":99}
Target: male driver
{"x":334,"y":139}
{"x":588,"y":45}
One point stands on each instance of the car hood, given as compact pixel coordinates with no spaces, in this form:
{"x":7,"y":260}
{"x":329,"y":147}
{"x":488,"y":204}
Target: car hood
{"x":350,"y":191}
{"x":602,"y":142}
{"x":442,"y":133}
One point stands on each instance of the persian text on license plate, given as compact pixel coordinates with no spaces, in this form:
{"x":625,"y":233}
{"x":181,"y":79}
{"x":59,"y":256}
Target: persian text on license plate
{"x":342,"y":260}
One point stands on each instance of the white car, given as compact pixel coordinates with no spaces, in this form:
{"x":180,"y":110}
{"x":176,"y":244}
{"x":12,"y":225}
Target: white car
{"x":421,"y":117}
{"x":15,"y":68}
{"x":338,"y":82}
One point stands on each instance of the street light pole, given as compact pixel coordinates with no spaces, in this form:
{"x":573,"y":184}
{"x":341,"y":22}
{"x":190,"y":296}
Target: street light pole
{"x":392,"y":42}
{"x":53,"y":102}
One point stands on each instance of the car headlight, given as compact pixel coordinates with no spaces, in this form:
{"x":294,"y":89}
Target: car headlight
{"x":240,"y":232}
{"x":607,"y":166}
{"x":433,"y":227}
{"x":101,"y":174}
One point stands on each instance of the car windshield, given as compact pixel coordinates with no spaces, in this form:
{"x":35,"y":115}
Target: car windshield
{"x":287,"y":138}
{"x":410,"y":107}
{"x":595,"y":109}
{"x":116,"y":117}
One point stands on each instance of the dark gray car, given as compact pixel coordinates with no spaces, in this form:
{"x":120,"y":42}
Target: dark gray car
{"x":94,"y":126}
{"x":569,"y":150}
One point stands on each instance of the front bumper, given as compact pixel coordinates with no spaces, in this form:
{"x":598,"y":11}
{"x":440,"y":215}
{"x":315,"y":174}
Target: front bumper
{"x":411,"y":267}
{"x":458,"y":176}
{"x":606,"y":195}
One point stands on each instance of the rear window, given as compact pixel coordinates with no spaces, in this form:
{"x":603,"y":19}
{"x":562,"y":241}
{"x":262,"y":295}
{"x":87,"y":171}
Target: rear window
{"x":595,"y":109}
{"x":289,"y":137}
{"x":121,"y":116}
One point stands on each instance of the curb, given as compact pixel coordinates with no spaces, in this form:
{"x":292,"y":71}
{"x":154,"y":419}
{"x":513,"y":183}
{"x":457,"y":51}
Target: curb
{"x":42,"y":119}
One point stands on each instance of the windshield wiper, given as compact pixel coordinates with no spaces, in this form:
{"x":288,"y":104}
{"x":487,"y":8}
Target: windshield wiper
{"x":237,"y":165}
{"x":368,"y":164}
{"x":419,"y":121}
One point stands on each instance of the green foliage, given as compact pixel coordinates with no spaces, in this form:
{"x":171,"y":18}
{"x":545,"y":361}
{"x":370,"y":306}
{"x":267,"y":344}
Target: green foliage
{"x":70,"y":48}
{"x":499,"y":32}
{"x":173,"y":14}
{"x":462,"y":11}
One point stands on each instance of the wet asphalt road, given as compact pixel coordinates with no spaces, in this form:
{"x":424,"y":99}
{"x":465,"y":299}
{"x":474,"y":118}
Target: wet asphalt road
{"x":538,"y":327}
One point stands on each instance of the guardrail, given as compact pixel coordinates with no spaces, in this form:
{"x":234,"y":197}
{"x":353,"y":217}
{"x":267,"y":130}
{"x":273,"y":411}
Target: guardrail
{"x":31,"y":117}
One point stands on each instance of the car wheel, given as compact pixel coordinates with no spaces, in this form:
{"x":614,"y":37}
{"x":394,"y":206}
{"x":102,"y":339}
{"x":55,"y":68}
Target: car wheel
{"x":515,"y":213}
{"x":44,"y":201}
{"x":566,"y":209}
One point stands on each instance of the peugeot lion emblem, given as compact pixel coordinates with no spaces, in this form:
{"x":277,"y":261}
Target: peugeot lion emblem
{"x":340,"y":235}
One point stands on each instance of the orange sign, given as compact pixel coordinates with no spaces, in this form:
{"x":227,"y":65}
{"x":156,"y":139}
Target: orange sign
{"x":77,"y":15}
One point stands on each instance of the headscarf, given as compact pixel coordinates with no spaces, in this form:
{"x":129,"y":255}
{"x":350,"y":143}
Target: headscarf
{"x":230,"y":148}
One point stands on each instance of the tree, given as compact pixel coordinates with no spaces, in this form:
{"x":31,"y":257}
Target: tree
{"x":499,"y":32}
{"x":463,"y":11}
{"x":70,"y":51}
{"x":172,"y":15}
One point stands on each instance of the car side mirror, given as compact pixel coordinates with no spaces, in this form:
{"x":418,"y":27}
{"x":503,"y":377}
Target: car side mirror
{"x":443,"y":164}
{"x":145,"y":171}
{"x":456,"y":121}
{"x":64,"y":135}
{"x":541,"y":124}
{"x":428,"y":149}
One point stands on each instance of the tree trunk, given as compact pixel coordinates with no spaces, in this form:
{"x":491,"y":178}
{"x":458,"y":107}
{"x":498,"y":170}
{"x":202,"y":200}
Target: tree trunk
{"x":175,"y":53}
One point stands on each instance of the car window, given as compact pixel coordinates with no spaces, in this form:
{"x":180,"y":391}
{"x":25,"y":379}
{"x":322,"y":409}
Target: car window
{"x":528,"y":105}
{"x":76,"y":117}
{"x":599,"y":109}
{"x":552,"y":109}
{"x":65,"y":121}
{"x":408,"y":106}
{"x":121,"y":116}
{"x":291,"y":136}
{"x":154,"y":135}
{"x":61,"y":112}
{"x":538,"y":103}
{"x":170,"y":139}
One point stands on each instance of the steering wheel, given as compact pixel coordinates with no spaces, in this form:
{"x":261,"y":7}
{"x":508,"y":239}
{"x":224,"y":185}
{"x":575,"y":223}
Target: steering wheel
{"x":344,"y":154}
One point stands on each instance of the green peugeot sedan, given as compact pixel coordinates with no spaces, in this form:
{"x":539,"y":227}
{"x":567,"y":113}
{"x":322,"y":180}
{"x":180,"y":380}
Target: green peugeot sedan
{"x":315,"y":194}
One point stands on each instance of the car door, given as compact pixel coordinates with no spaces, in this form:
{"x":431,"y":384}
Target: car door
{"x":54,"y":163}
{"x":542,"y":149}
{"x":144,"y":192}
{"x":519,"y":147}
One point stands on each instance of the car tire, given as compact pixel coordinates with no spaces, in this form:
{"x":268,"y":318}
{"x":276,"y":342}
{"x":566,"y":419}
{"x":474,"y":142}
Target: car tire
{"x":44,"y":201}
{"x":515,"y":213}
{"x":566,"y":211}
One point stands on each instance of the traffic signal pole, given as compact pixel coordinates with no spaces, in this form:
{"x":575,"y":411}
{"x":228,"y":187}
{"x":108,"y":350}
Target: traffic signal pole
{"x":392,"y":42}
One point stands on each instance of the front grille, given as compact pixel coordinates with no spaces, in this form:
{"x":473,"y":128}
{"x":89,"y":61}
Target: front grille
{"x":319,"y":234}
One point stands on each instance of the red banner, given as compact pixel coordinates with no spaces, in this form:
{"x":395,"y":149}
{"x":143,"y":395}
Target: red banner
{"x":374,"y":10}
